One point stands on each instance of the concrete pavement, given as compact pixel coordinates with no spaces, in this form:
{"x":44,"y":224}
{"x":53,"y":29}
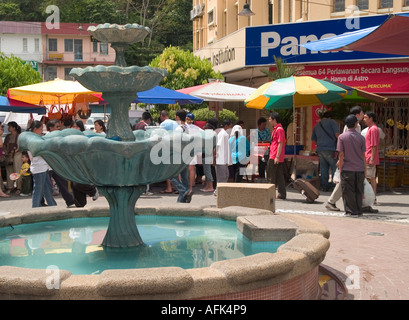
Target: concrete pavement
{"x":370,"y":253}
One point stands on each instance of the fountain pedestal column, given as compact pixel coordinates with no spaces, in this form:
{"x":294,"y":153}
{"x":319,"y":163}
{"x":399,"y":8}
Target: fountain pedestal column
{"x":118,"y":123}
{"x":122,"y":230}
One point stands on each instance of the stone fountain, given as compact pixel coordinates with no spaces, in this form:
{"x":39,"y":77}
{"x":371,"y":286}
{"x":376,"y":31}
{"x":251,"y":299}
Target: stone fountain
{"x":121,"y":165}
{"x":123,"y":162}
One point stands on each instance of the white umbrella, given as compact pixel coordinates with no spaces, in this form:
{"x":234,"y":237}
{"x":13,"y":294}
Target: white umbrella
{"x":219,"y":91}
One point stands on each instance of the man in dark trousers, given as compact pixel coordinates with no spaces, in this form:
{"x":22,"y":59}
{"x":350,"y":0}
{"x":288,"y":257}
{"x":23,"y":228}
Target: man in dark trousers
{"x":325,"y":135}
{"x":275,"y":164}
{"x":351,"y":163}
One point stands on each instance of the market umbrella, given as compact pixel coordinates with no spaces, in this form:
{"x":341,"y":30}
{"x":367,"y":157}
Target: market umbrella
{"x":51,"y":92}
{"x":390,"y":37}
{"x":219,"y":91}
{"x":294,"y":92}
{"x":12,"y":105}
{"x":358,"y":95}
{"x":161,"y":95}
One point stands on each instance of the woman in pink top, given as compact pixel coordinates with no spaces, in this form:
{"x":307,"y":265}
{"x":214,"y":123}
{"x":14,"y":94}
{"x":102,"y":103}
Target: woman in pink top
{"x":275,"y":164}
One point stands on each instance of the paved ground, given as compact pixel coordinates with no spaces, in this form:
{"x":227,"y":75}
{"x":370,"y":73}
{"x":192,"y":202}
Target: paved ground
{"x":370,"y":253}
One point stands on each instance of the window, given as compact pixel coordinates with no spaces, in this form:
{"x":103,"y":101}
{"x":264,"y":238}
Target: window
{"x":339,"y":5}
{"x":210,"y":17}
{"x":406,"y":3}
{"x":25,"y":45}
{"x":78,"y":49}
{"x":385,"y":4}
{"x":36,"y":45}
{"x":94,"y":46}
{"x":103,"y":48}
{"x":52,"y":45}
{"x":68,"y":45}
{"x":362,"y":4}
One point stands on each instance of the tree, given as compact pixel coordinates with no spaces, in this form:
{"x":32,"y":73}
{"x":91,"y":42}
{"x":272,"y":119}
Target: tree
{"x":169,"y":23}
{"x":184,"y":68}
{"x":10,"y":12}
{"x":14,"y":73}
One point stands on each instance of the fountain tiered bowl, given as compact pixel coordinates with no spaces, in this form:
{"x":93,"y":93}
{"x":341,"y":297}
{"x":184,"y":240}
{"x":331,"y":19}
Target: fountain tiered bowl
{"x":122,"y":163}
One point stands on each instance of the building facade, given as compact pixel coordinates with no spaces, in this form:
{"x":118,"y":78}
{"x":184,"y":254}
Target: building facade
{"x":71,"y":46}
{"x":23,"y":40}
{"x":53,"y":50}
{"x":241,"y":46}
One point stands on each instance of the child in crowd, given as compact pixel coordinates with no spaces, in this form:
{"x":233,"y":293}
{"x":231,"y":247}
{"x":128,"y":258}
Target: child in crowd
{"x":27,"y":182}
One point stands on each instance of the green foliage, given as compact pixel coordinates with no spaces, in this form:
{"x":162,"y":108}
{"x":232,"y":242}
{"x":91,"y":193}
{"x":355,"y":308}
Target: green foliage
{"x":155,"y":113}
{"x":227,"y":114}
{"x":10,"y":12}
{"x":184,"y":68}
{"x":281,"y":70}
{"x":13,"y":73}
{"x":85,"y":11}
{"x":203,"y":114}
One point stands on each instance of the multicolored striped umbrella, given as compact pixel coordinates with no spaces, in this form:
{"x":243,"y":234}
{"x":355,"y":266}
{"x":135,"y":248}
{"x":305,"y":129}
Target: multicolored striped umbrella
{"x":294,"y":92}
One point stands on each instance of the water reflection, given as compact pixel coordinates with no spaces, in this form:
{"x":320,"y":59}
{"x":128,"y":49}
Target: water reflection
{"x":74,"y":244}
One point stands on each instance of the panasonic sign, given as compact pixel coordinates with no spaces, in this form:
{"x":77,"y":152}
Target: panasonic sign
{"x":283,"y":40}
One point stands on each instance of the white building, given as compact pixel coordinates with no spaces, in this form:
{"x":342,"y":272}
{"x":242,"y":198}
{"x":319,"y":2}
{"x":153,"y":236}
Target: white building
{"x":23,"y":40}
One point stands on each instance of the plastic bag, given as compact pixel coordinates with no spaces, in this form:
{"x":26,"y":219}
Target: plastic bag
{"x":369,"y":196}
{"x":337,"y":176}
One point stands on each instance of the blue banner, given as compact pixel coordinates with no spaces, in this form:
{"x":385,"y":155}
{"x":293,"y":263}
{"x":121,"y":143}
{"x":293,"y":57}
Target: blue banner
{"x":283,"y":40}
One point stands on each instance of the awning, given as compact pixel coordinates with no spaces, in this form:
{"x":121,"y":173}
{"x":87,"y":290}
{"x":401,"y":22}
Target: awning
{"x":391,"y":37}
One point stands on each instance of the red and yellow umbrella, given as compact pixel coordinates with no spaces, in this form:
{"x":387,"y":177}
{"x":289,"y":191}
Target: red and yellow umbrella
{"x":53,"y":92}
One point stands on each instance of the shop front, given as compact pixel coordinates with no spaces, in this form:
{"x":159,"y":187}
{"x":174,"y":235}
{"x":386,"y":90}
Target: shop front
{"x":389,"y":79}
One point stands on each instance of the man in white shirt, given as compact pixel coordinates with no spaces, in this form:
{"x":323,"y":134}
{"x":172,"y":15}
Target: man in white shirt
{"x":222,"y":152}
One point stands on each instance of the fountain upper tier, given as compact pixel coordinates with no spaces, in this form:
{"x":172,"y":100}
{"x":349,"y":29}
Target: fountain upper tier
{"x":120,"y":37}
{"x":119,"y":84}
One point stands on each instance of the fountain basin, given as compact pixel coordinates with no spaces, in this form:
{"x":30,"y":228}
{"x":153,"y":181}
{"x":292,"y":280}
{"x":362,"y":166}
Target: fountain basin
{"x":291,"y":273}
{"x":90,"y":158}
{"x":119,"y":79}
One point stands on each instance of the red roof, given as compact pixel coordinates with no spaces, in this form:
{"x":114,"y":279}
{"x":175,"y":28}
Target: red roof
{"x":66,"y":28}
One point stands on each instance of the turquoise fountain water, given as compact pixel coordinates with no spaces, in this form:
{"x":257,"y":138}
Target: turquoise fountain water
{"x":74,"y":244}
{"x":124,"y":162}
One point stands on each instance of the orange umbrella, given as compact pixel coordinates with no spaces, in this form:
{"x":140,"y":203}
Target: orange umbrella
{"x":52,"y":92}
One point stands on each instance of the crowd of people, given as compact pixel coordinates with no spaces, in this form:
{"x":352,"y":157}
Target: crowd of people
{"x":29,"y":175}
{"x":229,"y":158}
{"x":353,"y":154}
{"x":232,"y":150}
